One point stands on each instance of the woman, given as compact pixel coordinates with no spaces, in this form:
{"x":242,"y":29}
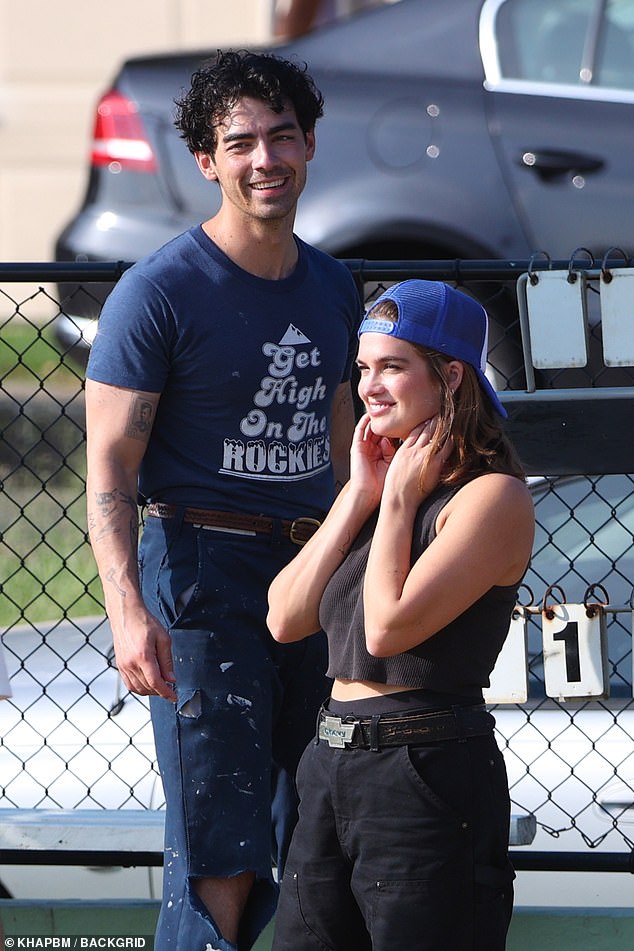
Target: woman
{"x":403,"y":831}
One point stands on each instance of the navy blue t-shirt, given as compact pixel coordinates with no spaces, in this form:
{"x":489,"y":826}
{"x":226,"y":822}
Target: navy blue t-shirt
{"x":246,"y":368}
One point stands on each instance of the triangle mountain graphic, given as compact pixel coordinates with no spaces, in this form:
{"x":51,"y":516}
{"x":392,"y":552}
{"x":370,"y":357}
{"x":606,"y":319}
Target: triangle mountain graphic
{"x":293,"y":336}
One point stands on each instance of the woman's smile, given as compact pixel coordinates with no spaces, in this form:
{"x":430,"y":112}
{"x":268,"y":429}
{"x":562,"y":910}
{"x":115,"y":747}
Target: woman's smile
{"x":396,"y":385}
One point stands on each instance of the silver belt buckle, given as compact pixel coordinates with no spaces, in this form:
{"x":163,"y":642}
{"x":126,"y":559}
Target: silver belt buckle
{"x":335,"y":732}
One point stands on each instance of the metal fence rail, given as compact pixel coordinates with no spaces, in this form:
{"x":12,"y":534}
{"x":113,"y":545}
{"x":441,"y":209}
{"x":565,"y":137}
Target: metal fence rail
{"x":71,"y":737}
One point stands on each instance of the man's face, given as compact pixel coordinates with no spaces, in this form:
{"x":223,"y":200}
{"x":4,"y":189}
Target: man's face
{"x":260,"y":160}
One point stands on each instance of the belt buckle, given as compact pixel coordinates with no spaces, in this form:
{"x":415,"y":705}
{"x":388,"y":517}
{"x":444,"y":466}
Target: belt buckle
{"x":295,"y":525}
{"x":335,"y":732}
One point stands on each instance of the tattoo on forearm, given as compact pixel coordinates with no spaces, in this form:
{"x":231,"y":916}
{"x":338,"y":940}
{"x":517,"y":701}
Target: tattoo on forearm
{"x":140,"y":419}
{"x":110,"y":578}
{"x":106,"y":502}
{"x":115,"y":512}
{"x":102,"y":521}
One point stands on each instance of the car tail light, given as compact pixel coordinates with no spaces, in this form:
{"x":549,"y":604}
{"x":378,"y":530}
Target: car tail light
{"x":119,"y":139}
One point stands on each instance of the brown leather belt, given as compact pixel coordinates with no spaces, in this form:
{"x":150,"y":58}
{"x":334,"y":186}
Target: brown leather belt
{"x":299,"y":530}
{"x":376,"y":732}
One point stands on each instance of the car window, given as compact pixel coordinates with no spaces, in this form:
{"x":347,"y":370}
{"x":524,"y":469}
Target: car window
{"x":584,"y":536}
{"x":586,"y":43}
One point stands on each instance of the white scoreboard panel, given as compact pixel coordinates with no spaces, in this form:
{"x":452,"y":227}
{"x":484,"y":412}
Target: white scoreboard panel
{"x":509,"y":679}
{"x":575,"y":651}
{"x":575,"y":655}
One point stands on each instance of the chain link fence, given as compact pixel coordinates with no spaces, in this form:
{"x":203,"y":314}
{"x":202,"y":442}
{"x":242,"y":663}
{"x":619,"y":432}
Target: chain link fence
{"x":71,"y":736}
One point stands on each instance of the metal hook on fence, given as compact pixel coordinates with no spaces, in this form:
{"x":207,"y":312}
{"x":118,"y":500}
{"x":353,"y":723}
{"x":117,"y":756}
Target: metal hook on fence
{"x":572,"y":276}
{"x":546,"y":611}
{"x":593,"y":607}
{"x":531,"y":597}
{"x":532,"y":276}
{"x":606,"y":275}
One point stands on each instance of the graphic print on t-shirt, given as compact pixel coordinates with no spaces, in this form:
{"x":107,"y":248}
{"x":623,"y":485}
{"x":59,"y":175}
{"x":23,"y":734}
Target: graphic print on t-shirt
{"x":285,"y":436}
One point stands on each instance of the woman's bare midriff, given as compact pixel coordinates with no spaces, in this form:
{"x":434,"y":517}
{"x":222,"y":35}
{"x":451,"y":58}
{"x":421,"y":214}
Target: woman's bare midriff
{"x":359,"y":689}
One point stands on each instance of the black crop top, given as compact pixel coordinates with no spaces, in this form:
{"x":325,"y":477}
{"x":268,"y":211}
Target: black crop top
{"x":457,"y":659}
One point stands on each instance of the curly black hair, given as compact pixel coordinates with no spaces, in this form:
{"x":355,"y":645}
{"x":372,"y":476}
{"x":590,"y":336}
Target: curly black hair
{"x":219,"y":83}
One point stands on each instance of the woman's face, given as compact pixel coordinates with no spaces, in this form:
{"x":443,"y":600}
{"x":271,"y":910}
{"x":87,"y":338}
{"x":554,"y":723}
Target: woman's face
{"x":397,"y":385}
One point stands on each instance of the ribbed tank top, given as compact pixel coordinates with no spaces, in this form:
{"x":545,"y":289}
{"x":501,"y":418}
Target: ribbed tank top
{"x":457,"y":659}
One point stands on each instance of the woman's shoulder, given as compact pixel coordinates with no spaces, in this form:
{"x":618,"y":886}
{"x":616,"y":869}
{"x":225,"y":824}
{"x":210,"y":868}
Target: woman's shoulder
{"x":494,"y":512}
{"x":496,"y":482}
{"x":496,"y":492}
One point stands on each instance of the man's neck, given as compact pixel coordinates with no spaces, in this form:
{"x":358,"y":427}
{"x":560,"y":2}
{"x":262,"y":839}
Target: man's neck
{"x":267,"y":252}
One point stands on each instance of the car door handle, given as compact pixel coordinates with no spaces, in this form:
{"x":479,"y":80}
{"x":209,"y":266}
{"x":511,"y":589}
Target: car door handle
{"x":549,"y":164}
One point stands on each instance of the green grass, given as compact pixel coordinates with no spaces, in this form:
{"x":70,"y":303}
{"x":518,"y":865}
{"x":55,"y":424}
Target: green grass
{"x":28,"y":355}
{"x":48,"y":570}
{"x":46,"y":566}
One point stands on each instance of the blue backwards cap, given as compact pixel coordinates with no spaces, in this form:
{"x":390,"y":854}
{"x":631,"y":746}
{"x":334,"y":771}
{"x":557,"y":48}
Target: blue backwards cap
{"x":435,"y":315}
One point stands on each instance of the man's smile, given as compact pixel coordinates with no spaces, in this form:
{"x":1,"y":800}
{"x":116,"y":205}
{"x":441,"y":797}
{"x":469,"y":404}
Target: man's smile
{"x":263,"y":186}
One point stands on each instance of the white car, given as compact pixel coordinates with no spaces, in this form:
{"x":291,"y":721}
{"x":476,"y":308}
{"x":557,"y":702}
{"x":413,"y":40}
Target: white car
{"x":71,"y":739}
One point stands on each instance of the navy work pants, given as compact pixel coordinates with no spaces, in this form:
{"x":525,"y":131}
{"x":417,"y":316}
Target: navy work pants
{"x":246,"y":707}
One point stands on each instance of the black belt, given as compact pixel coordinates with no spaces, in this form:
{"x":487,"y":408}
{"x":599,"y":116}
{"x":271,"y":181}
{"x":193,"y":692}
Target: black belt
{"x":373,"y":733}
{"x":299,"y":530}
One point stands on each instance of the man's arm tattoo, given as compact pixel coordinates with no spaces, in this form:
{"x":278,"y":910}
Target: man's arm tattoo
{"x":107,"y":503}
{"x":110,"y":578}
{"x":140,"y":419}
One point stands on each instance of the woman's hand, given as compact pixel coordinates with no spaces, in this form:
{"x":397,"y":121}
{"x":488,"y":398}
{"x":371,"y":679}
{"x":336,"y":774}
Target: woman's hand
{"x":370,"y":458}
{"x":416,"y":468}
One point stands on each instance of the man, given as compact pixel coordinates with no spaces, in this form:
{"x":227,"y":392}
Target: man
{"x":219,"y":384}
